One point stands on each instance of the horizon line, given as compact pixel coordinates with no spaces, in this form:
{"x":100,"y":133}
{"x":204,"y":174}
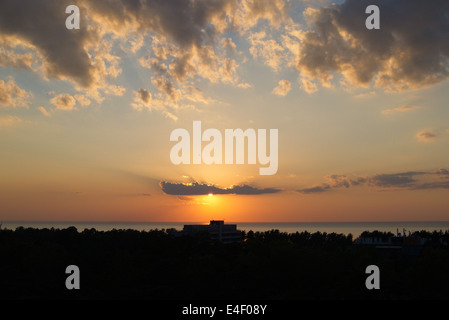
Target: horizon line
{"x":174,"y":222}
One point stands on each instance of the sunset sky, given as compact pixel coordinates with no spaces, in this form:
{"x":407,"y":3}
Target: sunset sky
{"x":86,"y":115}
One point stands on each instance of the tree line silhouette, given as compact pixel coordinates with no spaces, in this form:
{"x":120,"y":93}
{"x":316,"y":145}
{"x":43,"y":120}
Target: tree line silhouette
{"x":156,"y":264}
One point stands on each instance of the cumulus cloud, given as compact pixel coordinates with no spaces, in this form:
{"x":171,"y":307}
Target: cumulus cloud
{"x":55,"y":45}
{"x":82,"y":56}
{"x":228,"y":70}
{"x":401,"y":55}
{"x":10,"y":58}
{"x":144,"y":95}
{"x":250,"y":12}
{"x":142,"y":98}
{"x":114,"y":90}
{"x":269,"y":51}
{"x":244,"y":85}
{"x":11,"y":95}
{"x":183,"y":42}
{"x":308,"y":86}
{"x":188,"y":23}
{"x":82,"y":100}
{"x":195,"y":188}
{"x":282,"y":88}
{"x":186,"y":42}
{"x":63,"y":101}
{"x":229,"y":45}
{"x":188,"y":39}
{"x":166,"y":86}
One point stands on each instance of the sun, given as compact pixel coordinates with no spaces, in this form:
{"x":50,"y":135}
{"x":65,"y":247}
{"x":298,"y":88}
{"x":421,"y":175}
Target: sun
{"x":210,"y":194}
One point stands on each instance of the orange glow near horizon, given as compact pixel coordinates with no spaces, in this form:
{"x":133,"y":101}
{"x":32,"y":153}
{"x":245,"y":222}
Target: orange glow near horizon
{"x":288,"y":207}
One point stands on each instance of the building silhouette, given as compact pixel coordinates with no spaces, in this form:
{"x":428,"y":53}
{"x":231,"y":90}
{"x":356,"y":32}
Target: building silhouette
{"x":397,"y":245}
{"x":215,"y":230}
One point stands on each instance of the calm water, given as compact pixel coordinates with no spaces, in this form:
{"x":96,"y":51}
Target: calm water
{"x":355,"y":228}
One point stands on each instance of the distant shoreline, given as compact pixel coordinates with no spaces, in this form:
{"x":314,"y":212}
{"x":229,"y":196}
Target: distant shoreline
{"x":354,"y":228}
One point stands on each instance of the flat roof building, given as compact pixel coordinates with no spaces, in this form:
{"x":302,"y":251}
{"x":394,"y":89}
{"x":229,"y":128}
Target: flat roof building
{"x":216,"y":230}
{"x":394,"y":245}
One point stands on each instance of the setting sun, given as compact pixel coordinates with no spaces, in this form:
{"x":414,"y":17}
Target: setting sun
{"x":210,"y":194}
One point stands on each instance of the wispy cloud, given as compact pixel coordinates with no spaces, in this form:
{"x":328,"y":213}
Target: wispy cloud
{"x":44,"y":111}
{"x":366,"y":94}
{"x":399,"y":109}
{"x":316,"y":189}
{"x":402,"y":179}
{"x":412,"y":180}
{"x":9,"y":121}
{"x":426,"y":136}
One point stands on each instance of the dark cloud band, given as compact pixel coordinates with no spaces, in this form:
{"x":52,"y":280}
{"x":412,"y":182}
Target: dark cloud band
{"x":410,"y":50}
{"x":405,"y":180}
{"x":195,"y":189}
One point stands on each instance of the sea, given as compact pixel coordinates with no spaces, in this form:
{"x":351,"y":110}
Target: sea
{"x":354,"y":228}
